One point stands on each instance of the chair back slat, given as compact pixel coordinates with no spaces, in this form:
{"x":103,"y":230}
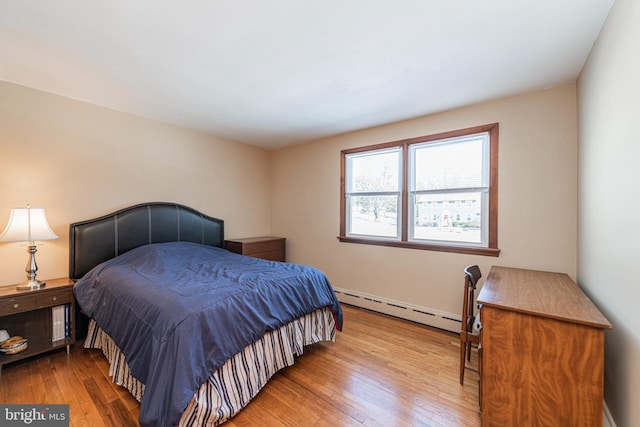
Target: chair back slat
{"x":474,"y":275}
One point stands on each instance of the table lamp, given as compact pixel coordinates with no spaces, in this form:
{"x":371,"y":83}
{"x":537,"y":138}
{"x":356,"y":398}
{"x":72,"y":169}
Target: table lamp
{"x":28,"y":225}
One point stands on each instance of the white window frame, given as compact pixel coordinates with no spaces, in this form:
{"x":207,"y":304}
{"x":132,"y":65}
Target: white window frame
{"x":351,"y":193}
{"x":455,"y":193}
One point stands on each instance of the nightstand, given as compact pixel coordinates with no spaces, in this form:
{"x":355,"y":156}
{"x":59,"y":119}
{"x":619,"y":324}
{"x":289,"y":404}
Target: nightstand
{"x":271,"y":248}
{"x":45,"y":317}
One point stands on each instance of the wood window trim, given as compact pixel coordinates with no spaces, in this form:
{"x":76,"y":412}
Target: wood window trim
{"x":491,"y":250}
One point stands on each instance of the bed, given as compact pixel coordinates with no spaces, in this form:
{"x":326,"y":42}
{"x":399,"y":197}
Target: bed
{"x":191,"y":330}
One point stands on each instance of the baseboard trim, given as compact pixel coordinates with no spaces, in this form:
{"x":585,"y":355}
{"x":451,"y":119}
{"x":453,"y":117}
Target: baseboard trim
{"x":425,"y":315}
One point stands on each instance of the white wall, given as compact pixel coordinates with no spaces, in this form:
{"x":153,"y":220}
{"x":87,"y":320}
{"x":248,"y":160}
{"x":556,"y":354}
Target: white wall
{"x":79,"y":161}
{"x":609,"y":200}
{"x":537,"y":201}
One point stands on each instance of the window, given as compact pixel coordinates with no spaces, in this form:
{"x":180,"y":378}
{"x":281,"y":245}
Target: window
{"x":436,"y":192}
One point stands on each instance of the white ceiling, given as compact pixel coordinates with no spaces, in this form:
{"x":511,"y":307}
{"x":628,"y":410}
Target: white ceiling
{"x":279,"y":72}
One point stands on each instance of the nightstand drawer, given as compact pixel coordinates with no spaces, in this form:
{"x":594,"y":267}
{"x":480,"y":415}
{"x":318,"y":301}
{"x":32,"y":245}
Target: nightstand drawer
{"x":17,"y":305}
{"x":271,"y":248}
{"x":50,"y":299}
{"x":275,"y":245}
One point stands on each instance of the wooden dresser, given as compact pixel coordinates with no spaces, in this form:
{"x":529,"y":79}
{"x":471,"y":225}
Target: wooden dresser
{"x":271,"y":248}
{"x":542,"y":351}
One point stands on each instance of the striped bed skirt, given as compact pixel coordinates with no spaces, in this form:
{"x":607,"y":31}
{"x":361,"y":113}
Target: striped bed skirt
{"x":232,"y":386}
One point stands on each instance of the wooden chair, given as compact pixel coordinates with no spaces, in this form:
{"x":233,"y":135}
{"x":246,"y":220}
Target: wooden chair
{"x":469,"y":335}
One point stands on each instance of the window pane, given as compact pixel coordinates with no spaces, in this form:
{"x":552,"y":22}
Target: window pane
{"x":450,"y":165}
{"x":374,"y":171}
{"x":373,"y":215}
{"x":437,"y":218}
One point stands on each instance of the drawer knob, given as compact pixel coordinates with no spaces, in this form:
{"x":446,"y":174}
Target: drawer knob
{"x":55,"y":298}
{"x":16,"y":305}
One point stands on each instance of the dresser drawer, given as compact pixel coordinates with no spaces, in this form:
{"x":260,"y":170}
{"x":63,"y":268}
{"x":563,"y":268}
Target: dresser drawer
{"x":50,"y":299}
{"x":15,"y":305}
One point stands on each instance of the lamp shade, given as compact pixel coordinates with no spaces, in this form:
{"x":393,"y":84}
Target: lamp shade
{"x":27,"y":225}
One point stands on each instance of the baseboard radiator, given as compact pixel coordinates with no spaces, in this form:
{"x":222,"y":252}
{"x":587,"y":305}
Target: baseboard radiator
{"x":427,"y":316}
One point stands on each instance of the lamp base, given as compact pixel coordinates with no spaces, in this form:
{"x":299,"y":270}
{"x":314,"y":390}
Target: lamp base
{"x":31,"y":285}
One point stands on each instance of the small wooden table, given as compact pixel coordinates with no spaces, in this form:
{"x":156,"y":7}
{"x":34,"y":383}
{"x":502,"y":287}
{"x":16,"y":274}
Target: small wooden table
{"x":29,"y":314}
{"x":542,"y":351}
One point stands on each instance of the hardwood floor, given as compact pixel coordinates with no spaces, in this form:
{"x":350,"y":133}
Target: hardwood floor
{"x":381,"y":371}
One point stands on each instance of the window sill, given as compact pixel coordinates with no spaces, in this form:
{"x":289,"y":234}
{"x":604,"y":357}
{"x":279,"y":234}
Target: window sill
{"x":494,"y":252}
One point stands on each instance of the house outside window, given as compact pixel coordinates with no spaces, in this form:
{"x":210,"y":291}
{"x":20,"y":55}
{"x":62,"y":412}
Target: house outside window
{"x":436,"y":192}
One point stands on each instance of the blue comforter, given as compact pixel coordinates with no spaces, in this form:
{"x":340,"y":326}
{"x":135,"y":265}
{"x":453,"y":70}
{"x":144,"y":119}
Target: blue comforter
{"x":179,"y":310}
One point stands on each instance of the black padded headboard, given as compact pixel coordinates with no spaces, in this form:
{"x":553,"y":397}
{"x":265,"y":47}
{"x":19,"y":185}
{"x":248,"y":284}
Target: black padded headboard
{"x":97,"y":240}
